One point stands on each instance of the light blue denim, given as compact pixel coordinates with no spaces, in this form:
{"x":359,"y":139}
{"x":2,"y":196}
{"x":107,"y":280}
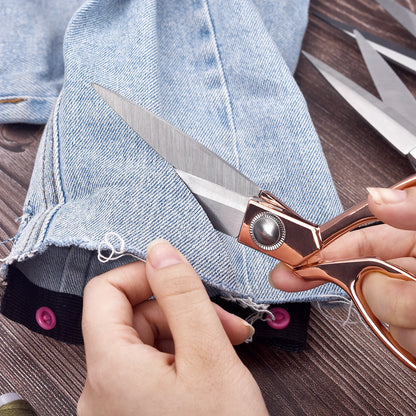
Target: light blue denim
{"x":31,"y":57}
{"x":219,"y":70}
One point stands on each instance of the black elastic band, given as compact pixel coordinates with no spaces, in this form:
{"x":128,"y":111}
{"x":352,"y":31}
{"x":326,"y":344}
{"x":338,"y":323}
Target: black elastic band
{"x":292,"y":338}
{"x":22,"y":299}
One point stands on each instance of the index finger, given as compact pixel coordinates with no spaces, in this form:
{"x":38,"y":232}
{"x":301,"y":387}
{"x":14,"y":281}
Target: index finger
{"x":381,"y":241}
{"x":108,"y":308}
{"x":393,"y":206}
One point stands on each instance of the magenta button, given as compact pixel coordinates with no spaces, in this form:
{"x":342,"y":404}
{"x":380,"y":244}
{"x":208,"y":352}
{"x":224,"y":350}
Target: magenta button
{"x":281,"y":318}
{"x":45,"y":318}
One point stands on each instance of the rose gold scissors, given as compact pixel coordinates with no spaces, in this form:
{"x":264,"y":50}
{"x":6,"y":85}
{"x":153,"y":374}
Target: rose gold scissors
{"x":238,"y":207}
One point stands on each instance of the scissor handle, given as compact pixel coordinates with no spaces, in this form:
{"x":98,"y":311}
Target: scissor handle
{"x":355,"y":216}
{"x":349,"y":275}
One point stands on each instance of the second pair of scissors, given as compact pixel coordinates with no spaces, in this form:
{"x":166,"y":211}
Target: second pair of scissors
{"x":394,"y":115}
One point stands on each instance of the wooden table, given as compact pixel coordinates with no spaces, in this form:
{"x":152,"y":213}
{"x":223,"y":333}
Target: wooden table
{"x":344,"y":370}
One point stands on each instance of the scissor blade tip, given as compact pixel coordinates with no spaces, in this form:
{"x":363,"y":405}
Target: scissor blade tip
{"x":359,"y":36}
{"x":311,"y":58}
{"x":106,"y":94}
{"x":99,"y":88}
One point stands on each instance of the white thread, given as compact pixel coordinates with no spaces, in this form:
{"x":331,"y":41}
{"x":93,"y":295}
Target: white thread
{"x":263,"y":316}
{"x":248,"y":303}
{"x":2,"y":243}
{"x":339,"y":300}
{"x":261,"y":311}
{"x":115,"y":253}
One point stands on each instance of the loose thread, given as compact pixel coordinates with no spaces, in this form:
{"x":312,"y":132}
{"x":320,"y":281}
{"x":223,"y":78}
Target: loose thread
{"x":7,"y":241}
{"x":261,"y":311}
{"x":115,"y":253}
{"x":339,"y":300}
{"x":2,"y":243}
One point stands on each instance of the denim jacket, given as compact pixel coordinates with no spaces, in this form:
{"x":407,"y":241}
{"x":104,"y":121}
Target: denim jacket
{"x":221,"y":71}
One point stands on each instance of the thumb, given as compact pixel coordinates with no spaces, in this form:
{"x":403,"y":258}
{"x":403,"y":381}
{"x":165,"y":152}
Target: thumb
{"x":394,"y":206}
{"x":196,"y":329}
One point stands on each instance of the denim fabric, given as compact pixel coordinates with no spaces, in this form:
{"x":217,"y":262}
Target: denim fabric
{"x":31,"y":58}
{"x":219,"y":70}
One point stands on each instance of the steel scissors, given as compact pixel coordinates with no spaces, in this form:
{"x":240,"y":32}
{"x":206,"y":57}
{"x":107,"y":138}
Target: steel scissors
{"x":398,"y":54}
{"x":394,"y":115}
{"x":238,"y":207}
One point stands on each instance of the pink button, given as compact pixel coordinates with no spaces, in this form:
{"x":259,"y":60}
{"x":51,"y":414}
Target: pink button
{"x":45,"y":318}
{"x":281,"y":318}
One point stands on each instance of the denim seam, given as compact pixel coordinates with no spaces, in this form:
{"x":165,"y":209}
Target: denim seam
{"x":42,"y":224}
{"x":224,"y":83}
{"x":40,"y":227}
{"x":230,"y":115}
{"x":43,"y":168}
{"x":35,"y":230}
{"x":25,"y":98}
{"x":56,"y":165}
{"x":45,"y":218}
{"x":29,"y":237}
{"x":53,"y":175}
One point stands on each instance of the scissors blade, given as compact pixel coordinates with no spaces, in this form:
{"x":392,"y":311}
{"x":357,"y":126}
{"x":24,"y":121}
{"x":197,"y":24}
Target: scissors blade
{"x":396,"y":129}
{"x":404,"y":16}
{"x":221,"y":189}
{"x":392,"y":90}
{"x":404,"y":57}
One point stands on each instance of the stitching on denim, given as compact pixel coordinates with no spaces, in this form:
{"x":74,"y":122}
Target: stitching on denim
{"x":35,"y":225}
{"x":43,"y":169}
{"x":27,"y":98}
{"x":231,"y":116}
{"x":12,"y":100}
{"x":223,"y":81}
{"x":56,"y":170}
{"x":54,"y":185}
{"x":39,"y":228}
{"x":45,"y":224}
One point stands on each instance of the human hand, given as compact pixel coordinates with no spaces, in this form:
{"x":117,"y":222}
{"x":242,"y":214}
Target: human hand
{"x":172,"y":355}
{"x":393,"y":301}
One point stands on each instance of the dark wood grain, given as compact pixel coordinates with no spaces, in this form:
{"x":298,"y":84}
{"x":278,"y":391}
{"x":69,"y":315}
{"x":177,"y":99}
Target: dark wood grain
{"x":344,"y":370}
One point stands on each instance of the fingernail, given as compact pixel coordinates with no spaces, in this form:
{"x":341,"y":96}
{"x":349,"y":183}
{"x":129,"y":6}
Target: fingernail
{"x":251,"y":330}
{"x":387,"y":195}
{"x":271,"y":283}
{"x":161,"y":254}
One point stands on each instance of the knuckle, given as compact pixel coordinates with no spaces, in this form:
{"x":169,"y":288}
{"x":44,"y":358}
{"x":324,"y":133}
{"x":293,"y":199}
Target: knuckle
{"x":181,"y":279}
{"x":92,"y":286}
{"x":363,"y":243}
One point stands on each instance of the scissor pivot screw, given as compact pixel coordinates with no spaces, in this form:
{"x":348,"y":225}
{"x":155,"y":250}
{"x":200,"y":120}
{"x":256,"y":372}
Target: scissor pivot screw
{"x":267,"y":231}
